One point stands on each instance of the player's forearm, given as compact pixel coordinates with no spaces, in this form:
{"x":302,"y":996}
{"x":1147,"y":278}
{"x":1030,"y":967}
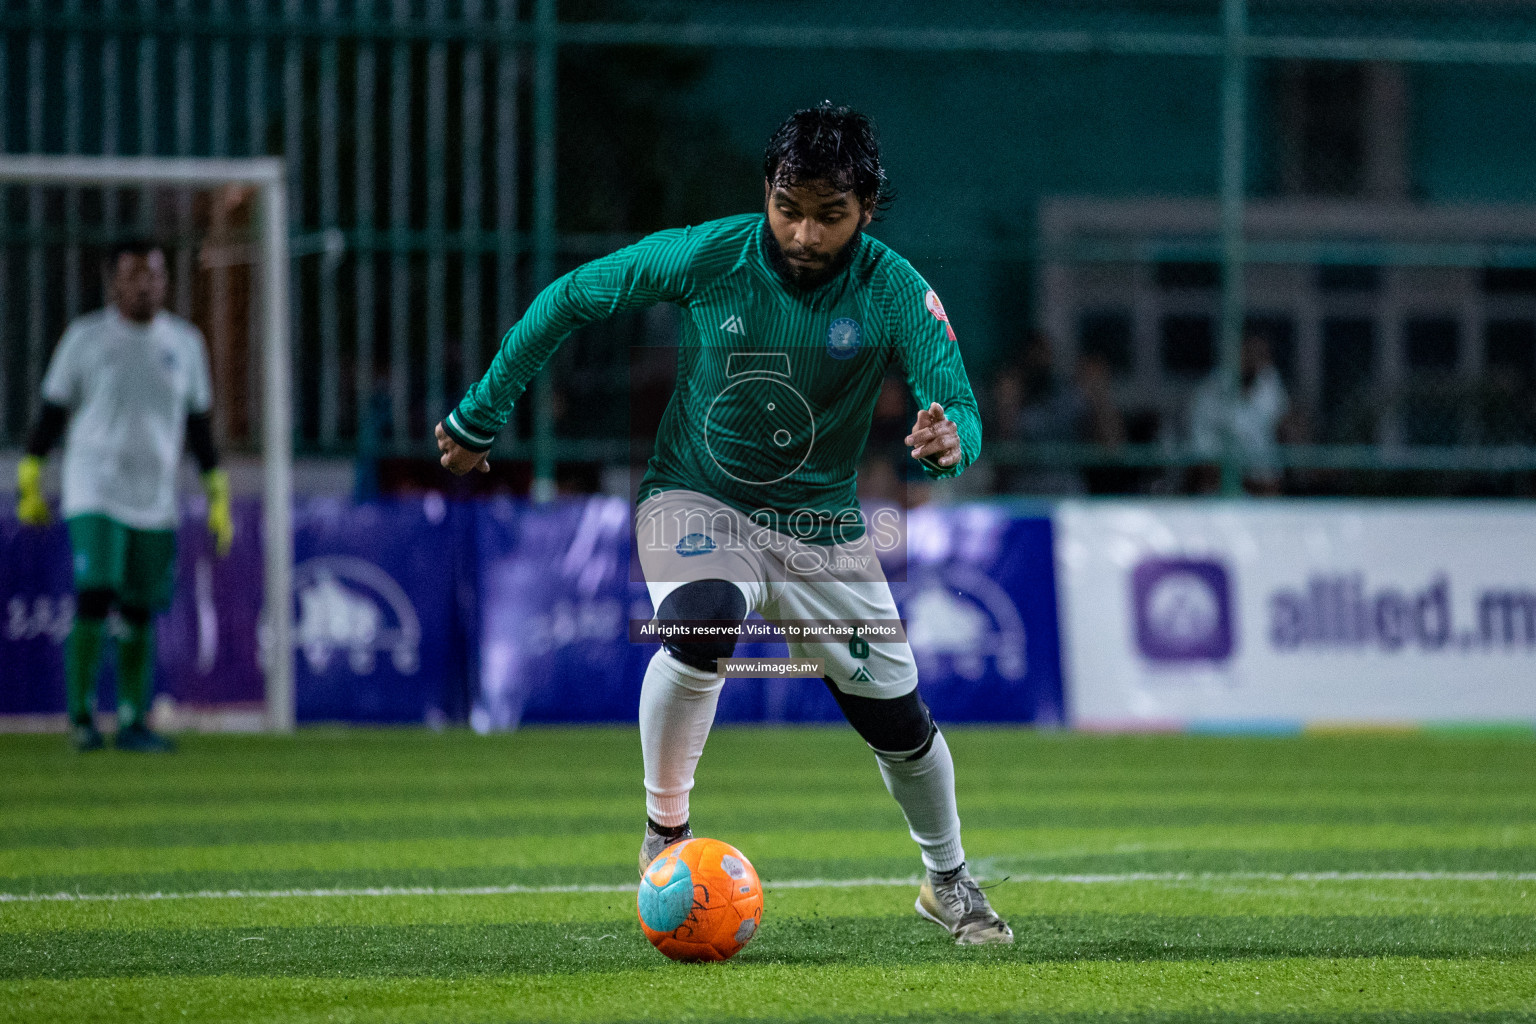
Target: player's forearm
{"x":200,"y":442}
{"x":653,"y":270}
{"x":936,"y":375}
{"x":46,"y":432}
{"x":487,"y":406}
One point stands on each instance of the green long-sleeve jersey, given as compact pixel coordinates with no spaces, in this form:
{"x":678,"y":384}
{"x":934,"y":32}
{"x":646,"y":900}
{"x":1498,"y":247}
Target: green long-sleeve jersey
{"x":776,"y":385}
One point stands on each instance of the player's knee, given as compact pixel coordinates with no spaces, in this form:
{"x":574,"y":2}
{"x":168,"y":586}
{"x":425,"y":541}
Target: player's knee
{"x":717,"y":601}
{"x":134,"y":616}
{"x":895,"y":725}
{"x":94,"y":604}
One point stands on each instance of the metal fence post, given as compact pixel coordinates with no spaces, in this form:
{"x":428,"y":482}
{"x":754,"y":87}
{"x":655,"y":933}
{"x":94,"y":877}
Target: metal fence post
{"x":546,"y":54}
{"x":1234,"y":113}
{"x":277,"y":441}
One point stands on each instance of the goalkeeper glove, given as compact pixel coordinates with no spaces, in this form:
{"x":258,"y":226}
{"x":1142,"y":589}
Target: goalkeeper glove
{"x":220,"y":525}
{"x":31,"y":508}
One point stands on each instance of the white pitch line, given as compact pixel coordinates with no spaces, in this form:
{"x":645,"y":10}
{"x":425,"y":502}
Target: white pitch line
{"x":282,"y":894}
{"x":789,"y":883}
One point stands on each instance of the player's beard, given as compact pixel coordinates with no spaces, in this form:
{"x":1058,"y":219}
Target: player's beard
{"x":808,"y":278}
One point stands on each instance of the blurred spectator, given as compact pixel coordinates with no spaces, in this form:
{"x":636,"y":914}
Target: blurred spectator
{"x":1103,"y":424}
{"x":1250,"y":426}
{"x":1034,"y":404}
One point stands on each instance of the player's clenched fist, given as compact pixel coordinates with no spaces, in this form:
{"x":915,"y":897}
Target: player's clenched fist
{"x":457,"y":459}
{"x":934,"y":437}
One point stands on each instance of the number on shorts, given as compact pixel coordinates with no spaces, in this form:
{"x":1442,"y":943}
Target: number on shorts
{"x":858,"y":647}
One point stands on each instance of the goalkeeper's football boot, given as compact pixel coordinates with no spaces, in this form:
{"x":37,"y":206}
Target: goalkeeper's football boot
{"x":958,"y":904}
{"x":138,"y":739}
{"x":85,"y":737}
{"x":657,"y":840}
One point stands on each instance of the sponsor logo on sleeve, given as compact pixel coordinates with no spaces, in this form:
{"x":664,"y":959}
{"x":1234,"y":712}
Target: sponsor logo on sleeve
{"x":931,"y":300}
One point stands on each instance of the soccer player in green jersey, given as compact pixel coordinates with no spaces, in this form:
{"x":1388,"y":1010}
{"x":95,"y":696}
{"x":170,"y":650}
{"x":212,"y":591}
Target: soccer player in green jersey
{"x":791,"y":319}
{"x":130,"y":382}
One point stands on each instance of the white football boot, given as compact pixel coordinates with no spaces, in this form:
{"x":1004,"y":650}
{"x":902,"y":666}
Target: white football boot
{"x":958,"y":905}
{"x":655,"y":842}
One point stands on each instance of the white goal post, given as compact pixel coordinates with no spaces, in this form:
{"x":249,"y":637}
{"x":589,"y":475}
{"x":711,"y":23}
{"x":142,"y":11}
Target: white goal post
{"x":266,"y":176}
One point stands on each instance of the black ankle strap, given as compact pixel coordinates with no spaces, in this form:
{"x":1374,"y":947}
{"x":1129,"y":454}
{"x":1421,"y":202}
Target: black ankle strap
{"x":667,"y":831}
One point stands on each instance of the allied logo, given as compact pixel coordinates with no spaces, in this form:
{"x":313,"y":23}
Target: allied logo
{"x":695,"y":544}
{"x":1183,"y":609}
{"x":733,"y":325}
{"x":931,"y":300}
{"x":861,"y":676}
{"x":844,"y":337}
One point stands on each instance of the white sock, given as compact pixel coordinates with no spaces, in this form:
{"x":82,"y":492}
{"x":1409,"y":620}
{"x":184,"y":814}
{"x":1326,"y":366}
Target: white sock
{"x":925,"y":789}
{"x":677,"y":707}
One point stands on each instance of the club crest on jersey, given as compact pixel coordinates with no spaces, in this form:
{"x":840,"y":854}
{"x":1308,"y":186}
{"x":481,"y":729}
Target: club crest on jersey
{"x":931,"y":300}
{"x":695,"y":544}
{"x":844,"y":338}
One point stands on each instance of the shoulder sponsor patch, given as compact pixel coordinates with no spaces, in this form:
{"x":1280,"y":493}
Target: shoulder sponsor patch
{"x":931,"y":300}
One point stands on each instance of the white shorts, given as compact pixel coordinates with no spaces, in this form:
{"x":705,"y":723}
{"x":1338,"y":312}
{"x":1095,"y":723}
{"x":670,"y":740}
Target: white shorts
{"x":684,"y":536}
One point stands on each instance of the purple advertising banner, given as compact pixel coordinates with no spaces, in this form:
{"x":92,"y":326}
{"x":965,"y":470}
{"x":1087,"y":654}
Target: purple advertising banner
{"x":378,"y":627}
{"x":208,"y":650}
{"x":503,"y":612}
{"x":207,"y":640}
{"x":37,"y":601}
{"x":555,"y":599}
{"x":556,"y":596}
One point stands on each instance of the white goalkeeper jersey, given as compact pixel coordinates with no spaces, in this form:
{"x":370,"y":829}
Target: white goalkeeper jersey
{"x":129,"y":388}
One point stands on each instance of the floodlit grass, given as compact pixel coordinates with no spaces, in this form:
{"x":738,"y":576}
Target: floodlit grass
{"x":1150,"y":879}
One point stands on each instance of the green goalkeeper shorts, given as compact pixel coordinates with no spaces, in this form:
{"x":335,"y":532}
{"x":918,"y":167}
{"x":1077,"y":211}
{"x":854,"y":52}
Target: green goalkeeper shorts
{"x":139,"y":566}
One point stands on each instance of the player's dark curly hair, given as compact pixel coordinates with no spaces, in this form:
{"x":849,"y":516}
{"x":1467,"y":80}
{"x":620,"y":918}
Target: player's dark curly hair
{"x":837,"y":145}
{"x":135,"y":245}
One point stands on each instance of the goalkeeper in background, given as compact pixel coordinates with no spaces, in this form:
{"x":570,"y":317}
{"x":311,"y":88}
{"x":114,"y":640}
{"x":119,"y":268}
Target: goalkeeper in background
{"x":130,"y":384}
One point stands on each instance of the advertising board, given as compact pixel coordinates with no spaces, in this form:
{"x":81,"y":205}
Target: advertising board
{"x":1275,"y":614}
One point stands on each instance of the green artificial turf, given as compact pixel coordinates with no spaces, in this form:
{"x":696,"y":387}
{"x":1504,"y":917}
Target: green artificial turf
{"x":1376,"y":878}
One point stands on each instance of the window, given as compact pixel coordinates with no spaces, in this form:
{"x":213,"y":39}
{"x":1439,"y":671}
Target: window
{"x":1344,"y":278}
{"x":1349,"y":345}
{"x":1107,"y":333}
{"x":1189,"y":275}
{"x":1187,"y":344}
{"x":1431,"y":343}
{"x":1509,"y":406}
{"x":1280,"y":332}
{"x":1322,"y":112}
{"x":1509,"y":280}
{"x":1511,"y":345}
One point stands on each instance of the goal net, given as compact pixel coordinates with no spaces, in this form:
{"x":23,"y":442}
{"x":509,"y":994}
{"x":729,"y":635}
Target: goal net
{"x":223,"y":225}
